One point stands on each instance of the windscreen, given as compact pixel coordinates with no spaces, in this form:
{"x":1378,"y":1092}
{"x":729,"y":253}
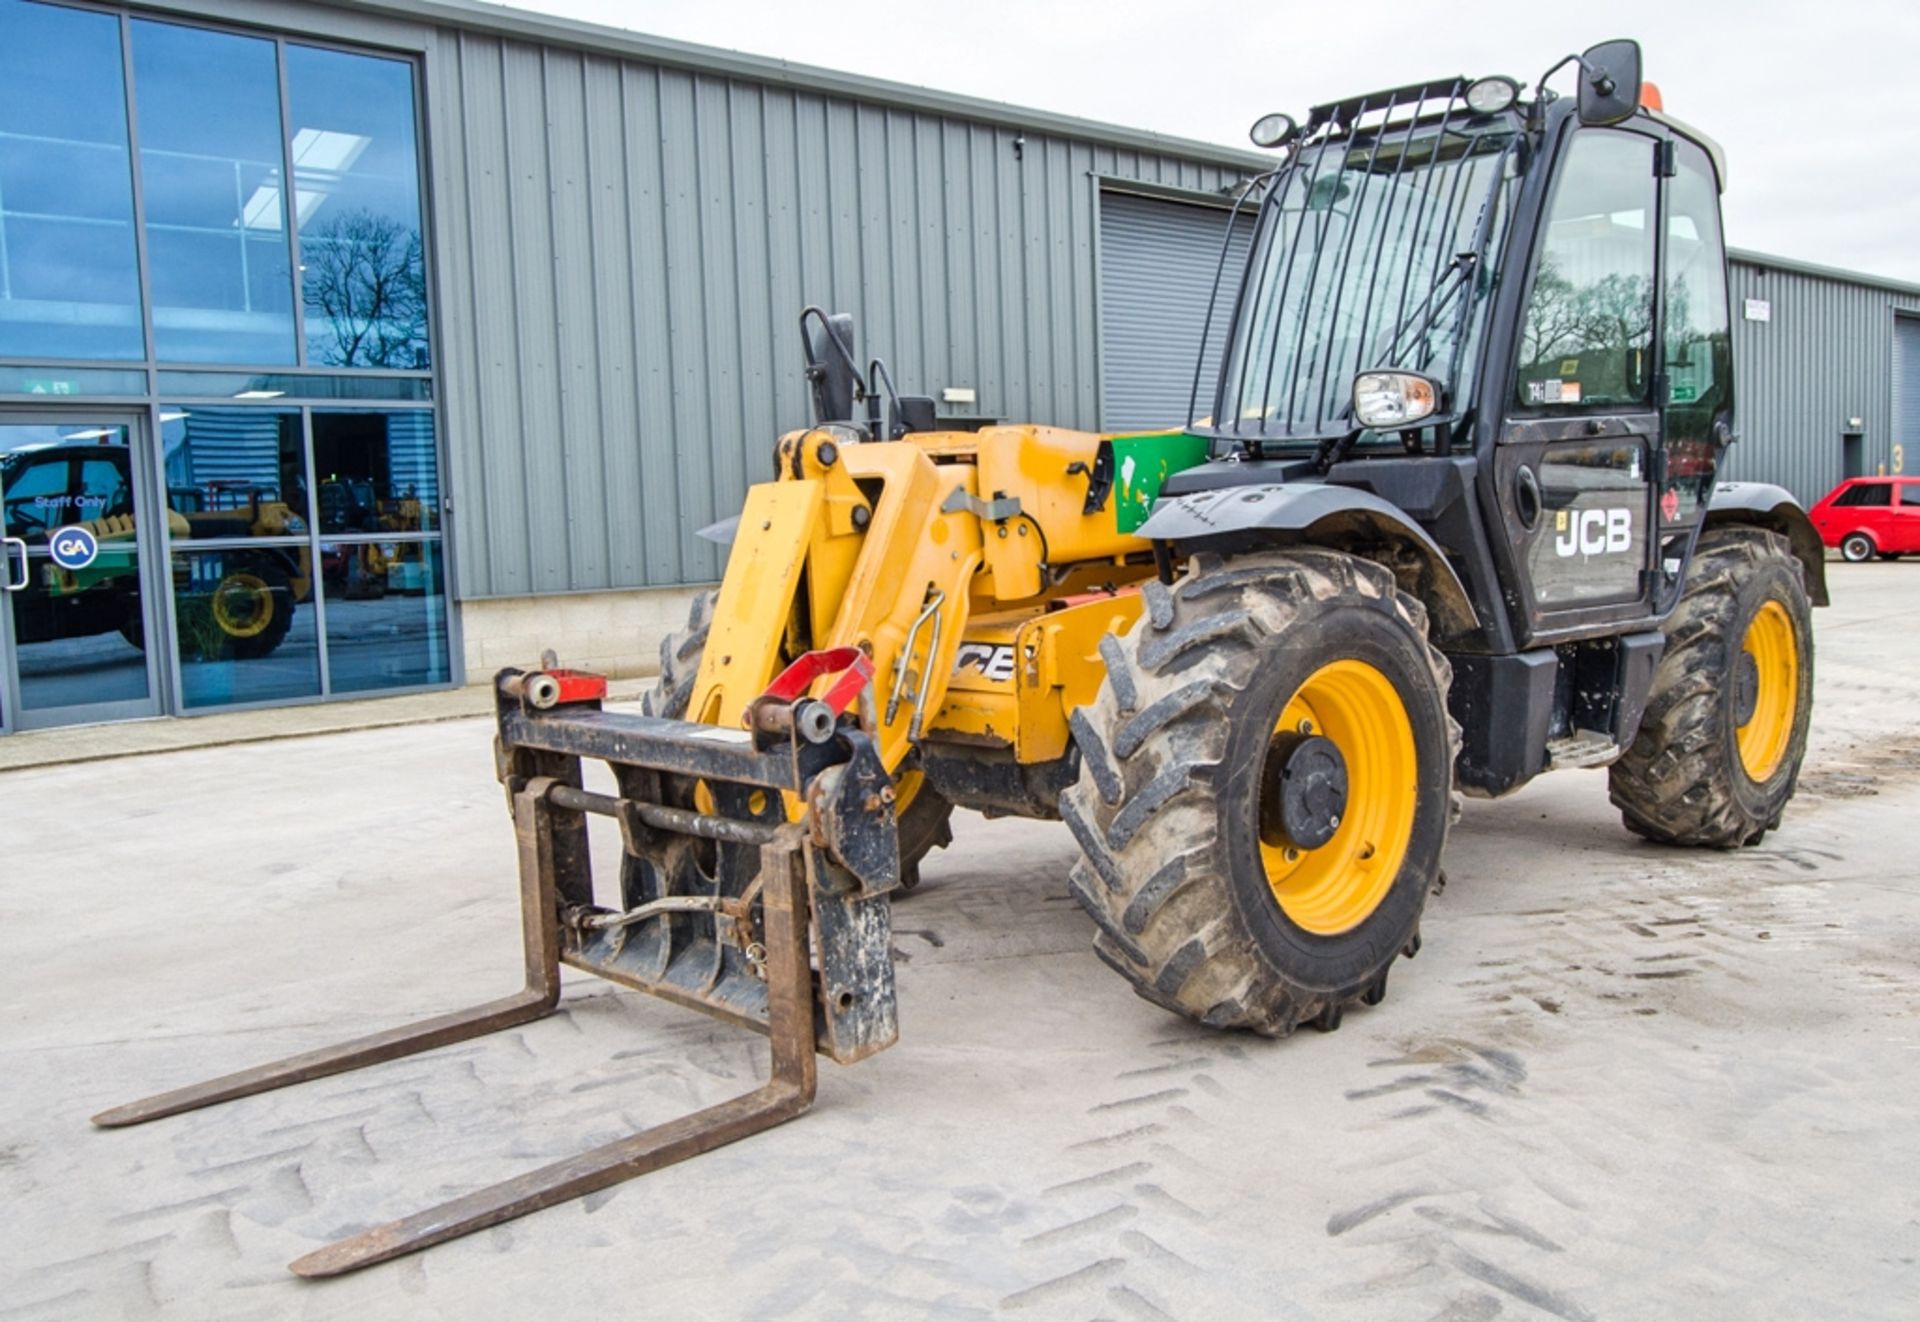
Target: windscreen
{"x":1370,"y":254}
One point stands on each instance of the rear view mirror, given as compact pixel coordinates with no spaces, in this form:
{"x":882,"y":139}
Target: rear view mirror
{"x":1610,"y":82}
{"x":832,"y":369}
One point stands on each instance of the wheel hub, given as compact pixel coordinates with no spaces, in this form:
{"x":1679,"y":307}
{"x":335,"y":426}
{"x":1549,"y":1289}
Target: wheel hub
{"x":1746,"y":688}
{"x":1304,"y":792}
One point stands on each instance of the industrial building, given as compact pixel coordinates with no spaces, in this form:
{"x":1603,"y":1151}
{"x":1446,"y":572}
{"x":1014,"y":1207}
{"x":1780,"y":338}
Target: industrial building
{"x":526,"y":320}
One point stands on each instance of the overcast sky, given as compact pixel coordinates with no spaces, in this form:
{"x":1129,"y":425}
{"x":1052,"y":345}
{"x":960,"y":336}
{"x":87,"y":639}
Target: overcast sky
{"x":1806,"y":97}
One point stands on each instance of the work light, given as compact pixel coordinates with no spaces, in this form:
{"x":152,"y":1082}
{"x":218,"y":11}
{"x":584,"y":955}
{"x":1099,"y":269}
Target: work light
{"x":1489,"y":96}
{"x":1275,"y":130}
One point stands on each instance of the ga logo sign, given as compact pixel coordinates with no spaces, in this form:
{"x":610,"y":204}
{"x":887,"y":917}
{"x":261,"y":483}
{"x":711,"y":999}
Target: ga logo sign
{"x":73,"y":547}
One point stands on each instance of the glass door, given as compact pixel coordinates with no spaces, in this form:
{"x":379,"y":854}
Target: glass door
{"x":77,"y":591}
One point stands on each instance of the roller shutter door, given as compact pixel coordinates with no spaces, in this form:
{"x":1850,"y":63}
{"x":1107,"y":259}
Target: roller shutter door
{"x":1157,"y":263}
{"x":1906,"y":391}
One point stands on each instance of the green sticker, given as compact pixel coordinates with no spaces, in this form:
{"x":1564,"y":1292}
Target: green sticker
{"x":1141,"y":466}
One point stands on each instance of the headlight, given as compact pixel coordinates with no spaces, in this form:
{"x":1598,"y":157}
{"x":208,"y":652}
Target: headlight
{"x":1386,"y":400}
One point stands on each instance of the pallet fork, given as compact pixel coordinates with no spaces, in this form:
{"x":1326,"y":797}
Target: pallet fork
{"x":727,"y":906}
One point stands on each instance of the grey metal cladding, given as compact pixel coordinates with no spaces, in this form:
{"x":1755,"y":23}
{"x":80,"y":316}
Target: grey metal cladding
{"x":1824,"y":356}
{"x":623,"y":251}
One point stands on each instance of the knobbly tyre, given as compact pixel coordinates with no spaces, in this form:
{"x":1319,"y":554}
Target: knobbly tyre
{"x":1448,"y":519}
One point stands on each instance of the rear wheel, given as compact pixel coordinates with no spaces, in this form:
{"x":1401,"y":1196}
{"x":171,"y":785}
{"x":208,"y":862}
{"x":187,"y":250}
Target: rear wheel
{"x":1856,"y":548}
{"x":1718,"y":752}
{"x":1265,"y":789}
{"x":923,"y":811}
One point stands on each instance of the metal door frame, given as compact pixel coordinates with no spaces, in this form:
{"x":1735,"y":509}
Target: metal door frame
{"x":150,"y":553}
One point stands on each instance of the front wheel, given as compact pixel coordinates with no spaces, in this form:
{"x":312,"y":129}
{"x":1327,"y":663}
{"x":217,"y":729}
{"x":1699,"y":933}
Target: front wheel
{"x":1718,"y":752}
{"x":1265,"y":789}
{"x":1856,"y":548}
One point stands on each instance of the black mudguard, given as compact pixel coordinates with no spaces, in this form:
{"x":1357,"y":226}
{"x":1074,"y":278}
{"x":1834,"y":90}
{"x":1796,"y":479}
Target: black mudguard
{"x":1767,"y":506}
{"x":1317,"y":513}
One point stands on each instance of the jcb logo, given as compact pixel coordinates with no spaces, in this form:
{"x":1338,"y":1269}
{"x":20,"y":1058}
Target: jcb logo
{"x":1593,"y":532}
{"x":994,"y":661}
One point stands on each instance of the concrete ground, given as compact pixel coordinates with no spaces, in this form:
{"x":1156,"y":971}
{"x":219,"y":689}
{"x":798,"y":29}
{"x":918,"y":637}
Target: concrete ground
{"x":1620,"y":1081}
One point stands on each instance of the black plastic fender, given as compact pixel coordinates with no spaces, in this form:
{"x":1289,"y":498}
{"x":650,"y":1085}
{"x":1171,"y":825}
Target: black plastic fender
{"x":1767,"y":506}
{"x":1318,"y":514}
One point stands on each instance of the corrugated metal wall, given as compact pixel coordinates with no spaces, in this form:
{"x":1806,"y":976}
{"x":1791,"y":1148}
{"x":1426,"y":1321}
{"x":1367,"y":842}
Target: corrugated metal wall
{"x":623,"y":250}
{"x":1825,"y":356}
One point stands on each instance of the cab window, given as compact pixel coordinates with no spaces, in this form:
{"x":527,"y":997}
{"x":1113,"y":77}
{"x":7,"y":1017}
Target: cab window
{"x":1587,"y":336}
{"x":1699,"y":344}
{"x":1910,"y":494}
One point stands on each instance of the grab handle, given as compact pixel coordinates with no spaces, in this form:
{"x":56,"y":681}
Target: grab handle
{"x":26,"y":569}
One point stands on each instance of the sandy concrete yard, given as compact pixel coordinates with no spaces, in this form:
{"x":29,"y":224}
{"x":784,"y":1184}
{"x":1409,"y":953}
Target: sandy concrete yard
{"x":1619,"y":1082}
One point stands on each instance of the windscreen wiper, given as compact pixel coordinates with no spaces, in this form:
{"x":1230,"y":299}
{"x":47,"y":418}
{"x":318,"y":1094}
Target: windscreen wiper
{"x":1439,"y":297}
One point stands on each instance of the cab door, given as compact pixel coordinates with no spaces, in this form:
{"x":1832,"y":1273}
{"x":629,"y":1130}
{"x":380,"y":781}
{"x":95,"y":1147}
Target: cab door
{"x":1575,"y":458}
{"x":1621,"y":404}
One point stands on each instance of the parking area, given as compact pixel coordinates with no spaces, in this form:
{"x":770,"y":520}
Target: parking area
{"x":1619,"y":1081}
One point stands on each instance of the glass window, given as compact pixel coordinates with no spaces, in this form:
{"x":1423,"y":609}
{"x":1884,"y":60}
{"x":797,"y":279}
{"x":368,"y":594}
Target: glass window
{"x":69,"y":285}
{"x":377,"y":472}
{"x":35,"y":489}
{"x":356,"y":175}
{"x":1698,"y":343}
{"x":104,"y":490}
{"x":56,"y":474}
{"x":234,"y":472}
{"x":41,"y":381}
{"x":1697,"y":331}
{"x":1366,"y":259}
{"x":294,"y":385}
{"x":1910,"y":493}
{"x":245,"y":619}
{"x":210,"y":171}
{"x":386,"y":615}
{"x":1589,"y":322}
{"x":1866,"y":493}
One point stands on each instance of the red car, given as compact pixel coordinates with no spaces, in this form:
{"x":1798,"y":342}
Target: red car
{"x":1869,"y":516}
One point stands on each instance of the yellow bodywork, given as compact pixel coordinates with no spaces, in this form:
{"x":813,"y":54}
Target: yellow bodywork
{"x":983,"y":617}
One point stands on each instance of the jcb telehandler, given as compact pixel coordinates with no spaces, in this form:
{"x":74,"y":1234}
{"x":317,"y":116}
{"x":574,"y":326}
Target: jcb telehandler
{"x":1447,"y":519}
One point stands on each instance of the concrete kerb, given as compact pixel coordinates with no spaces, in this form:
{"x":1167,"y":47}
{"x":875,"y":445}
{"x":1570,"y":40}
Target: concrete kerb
{"x":90,"y":743}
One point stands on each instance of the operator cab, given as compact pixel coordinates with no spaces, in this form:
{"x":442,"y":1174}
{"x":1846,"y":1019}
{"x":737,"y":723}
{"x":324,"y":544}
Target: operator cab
{"x":1530,"y":291}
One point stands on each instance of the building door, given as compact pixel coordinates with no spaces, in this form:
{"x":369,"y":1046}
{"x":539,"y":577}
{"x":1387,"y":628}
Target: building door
{"x":1157,"y":265}
{"x":80,"y":574}
{"x":1906,"y":392}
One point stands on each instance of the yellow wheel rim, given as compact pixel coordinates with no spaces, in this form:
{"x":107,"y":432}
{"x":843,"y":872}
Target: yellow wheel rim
{"x":1335,"y":888}
{"x":1775,"y":651}
{"x":243,"y":605}
{"x":906,"y":787}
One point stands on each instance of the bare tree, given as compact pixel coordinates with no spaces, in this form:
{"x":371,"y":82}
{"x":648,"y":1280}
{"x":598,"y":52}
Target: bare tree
{"x":363,"y":281}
